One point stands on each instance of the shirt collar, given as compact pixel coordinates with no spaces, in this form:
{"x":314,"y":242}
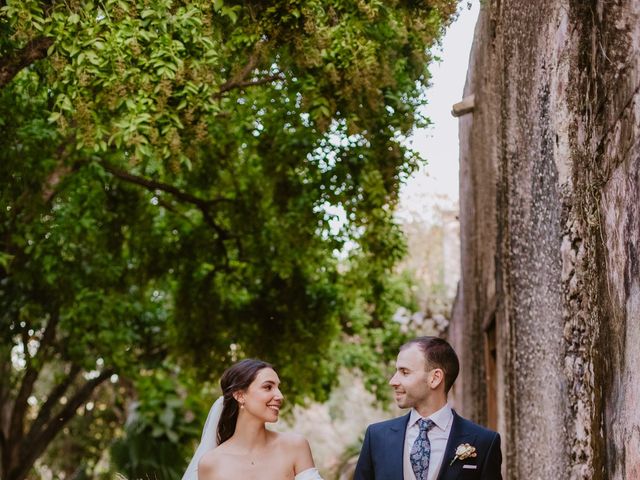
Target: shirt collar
{"x":441,"y":418}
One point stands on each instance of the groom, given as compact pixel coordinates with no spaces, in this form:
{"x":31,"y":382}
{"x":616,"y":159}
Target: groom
{"x":431,"y":442}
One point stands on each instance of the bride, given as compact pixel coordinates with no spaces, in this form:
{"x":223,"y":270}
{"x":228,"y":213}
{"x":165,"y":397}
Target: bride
{"x":235,"y":442}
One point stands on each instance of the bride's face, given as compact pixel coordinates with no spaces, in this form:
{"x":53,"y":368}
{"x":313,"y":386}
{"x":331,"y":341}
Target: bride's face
{"x":263,"y":398}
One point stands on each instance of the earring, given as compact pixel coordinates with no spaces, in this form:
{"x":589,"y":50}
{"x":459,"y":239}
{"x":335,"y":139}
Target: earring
{"x":241,"y":405}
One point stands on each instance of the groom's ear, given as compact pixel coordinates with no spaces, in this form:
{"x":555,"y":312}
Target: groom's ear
{"x":437,"y":378}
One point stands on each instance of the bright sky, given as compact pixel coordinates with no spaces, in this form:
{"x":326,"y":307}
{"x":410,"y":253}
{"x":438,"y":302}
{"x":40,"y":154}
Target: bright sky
{"x":437,"y":183}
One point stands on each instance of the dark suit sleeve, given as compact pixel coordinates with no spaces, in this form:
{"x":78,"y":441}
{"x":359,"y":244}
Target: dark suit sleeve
{"x":364,"y":467}
{"x":493,"y":462}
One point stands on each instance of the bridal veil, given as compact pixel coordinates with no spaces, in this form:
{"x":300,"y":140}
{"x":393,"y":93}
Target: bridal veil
{"x":208,"y":441}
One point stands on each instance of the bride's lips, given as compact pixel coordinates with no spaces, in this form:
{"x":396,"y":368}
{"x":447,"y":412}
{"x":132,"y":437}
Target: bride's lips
{"x":275,"y":407}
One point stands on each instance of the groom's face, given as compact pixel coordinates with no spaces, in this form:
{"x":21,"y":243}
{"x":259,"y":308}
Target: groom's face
{"x":410,"y":382}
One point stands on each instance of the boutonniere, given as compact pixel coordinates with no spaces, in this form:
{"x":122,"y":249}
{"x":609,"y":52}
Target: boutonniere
{"x":464,"y":451}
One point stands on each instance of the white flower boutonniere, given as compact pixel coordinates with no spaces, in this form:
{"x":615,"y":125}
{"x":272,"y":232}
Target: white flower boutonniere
{"x":464,"y":451}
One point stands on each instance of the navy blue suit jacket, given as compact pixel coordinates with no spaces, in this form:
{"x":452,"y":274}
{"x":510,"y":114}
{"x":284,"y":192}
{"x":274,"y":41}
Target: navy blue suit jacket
{"x":382,"y":449}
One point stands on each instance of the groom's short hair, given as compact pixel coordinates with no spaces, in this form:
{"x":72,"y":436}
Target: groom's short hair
{"x":438,"y":354}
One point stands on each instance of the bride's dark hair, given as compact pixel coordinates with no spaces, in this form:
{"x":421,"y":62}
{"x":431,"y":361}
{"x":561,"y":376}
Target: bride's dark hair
{"x":237,"y":377}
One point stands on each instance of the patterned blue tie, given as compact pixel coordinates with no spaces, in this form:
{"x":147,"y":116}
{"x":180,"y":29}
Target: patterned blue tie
{"x":421,"y":450}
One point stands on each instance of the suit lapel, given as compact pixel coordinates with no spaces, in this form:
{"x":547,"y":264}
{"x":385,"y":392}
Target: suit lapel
{"x":395,"y":448}
{"x":457,"y":436}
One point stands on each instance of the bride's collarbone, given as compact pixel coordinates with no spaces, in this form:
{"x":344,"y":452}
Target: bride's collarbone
{"x":253,"y":457}
{"x":257,"y":471}
{"x":264,"y":465}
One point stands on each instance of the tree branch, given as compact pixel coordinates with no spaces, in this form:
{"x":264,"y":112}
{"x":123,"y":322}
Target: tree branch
{"x":49,"y":334}
{"x":49,"y":189}
{"x":203,"y":205}
{"x":5,"y":372}
{"x":6,"y":404}
{"x":35,"y":50}
{"x":31,"y":451}
{"x":239,"y":80}
{"x":20,"y":404}
{"x":153,"y":185}
{"x":16,"y":424}
{"x":3,"y":450}
{"x":248,"y":68}
{"x":247,"y":83}
{"x":44,"y":415}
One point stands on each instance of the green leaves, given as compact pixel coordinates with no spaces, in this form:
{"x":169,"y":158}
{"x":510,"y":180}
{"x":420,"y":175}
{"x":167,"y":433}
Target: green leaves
{"x":199,"y":181}
{"x":169,"y":412}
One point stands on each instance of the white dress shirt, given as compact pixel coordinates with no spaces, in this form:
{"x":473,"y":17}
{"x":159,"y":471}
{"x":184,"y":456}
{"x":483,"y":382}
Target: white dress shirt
{"x":438,"y":437}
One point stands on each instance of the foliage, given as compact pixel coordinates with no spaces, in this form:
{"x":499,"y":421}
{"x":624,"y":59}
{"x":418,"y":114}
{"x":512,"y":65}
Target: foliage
{"x":372,"y":348}
{"x":158,"y":433}
{"x":197,"y":181}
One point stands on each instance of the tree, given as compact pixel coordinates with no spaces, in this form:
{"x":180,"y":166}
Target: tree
{"x":195,"y":181}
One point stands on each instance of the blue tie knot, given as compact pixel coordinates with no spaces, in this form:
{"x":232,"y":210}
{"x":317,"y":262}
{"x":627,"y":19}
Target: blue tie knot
{"x":426,"y":425}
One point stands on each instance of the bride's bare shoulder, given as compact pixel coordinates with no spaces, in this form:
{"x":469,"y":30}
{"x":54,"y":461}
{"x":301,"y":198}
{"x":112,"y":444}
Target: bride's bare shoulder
{"x":208,"y":465}
{"x":298,"y":447}
{"x":292,"y":440}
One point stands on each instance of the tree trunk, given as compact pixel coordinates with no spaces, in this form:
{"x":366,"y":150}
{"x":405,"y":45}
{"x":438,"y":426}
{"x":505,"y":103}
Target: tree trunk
{"x":19,"y":452}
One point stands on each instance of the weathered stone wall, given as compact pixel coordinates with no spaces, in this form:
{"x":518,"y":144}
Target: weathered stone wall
{"x":550,"y":236}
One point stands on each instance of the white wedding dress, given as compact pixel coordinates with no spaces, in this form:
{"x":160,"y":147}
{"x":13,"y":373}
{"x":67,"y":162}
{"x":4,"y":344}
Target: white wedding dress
{"x":309,"y":474}
{"x":209,"y":441}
